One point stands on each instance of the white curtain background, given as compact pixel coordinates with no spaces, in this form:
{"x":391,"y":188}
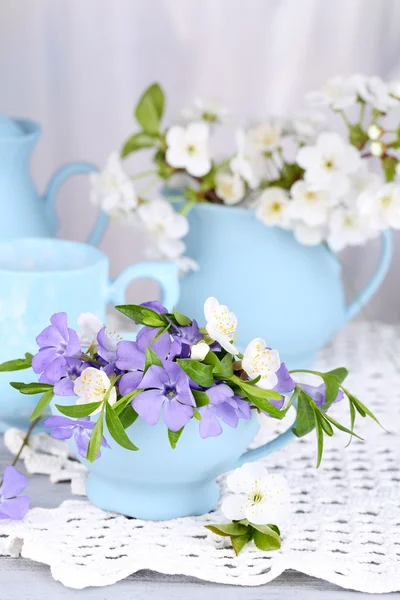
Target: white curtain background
{"x":78,"y":66}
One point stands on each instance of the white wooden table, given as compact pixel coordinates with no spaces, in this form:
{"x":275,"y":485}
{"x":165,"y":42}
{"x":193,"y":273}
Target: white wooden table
{"x":22,"y":579}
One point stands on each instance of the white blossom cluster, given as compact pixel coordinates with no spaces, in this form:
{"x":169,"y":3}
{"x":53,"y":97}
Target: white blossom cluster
{"x":299,"y":175}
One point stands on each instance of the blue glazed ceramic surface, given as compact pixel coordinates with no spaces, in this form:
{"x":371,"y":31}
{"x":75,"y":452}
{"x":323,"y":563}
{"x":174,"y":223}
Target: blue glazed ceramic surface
{"x":24,"y":213}
{"x":157,"y":482}
{"x":283,"y":291}
{"x":39,"y":277}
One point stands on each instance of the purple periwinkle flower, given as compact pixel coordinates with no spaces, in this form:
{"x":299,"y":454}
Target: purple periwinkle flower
{"x":57,"y":343}
{"x":187,"y":336}
{"x":130,"y":382}
{"x":107,"y":350}
{"x":131,"y":355}
{"x":318,"y":393}
{"x":285,"y":382}
{"x":166,"y":387}
{"x":73,"y":370}
{"x":223,"y":405}
{"x":156,"y":306}
{"x":63,"y":428}
{"x":13,"y":506}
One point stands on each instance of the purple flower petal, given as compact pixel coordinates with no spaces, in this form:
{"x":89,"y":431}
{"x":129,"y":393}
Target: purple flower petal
{"x":74,"y":346}
{"x":43,"y":358}
{"x":82,"y":439}
{"x":242,"y":407}
{"x":285,"y":382}
{"x":156,"y":377}
{"x":209,"y":425}
{"x":14,"y":482}
{"x":62,"y":433}
{"x":58,"y":421}
{"x":161,"y":347}
{"x":227,"y":413}
{"x":16,"y":508}
{"x":64,"y":387}
{"x":50,"y":336}
{"x":148,"y":405}
{"x":156,"y":306}
{"x":129,"y":382}
{"x":176,"y":415}
{"x":219,"y":393}
{"x":60,"y":322}
{"x":129,"y":356}
{"x":56,"y":369}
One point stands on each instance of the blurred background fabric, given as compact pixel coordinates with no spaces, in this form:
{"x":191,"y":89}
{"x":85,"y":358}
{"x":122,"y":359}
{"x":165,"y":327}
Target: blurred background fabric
{"x":78,"y":67}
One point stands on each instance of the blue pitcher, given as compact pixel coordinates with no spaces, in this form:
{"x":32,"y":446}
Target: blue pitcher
{"x":290,"y":294}
{"x":24,"y":213}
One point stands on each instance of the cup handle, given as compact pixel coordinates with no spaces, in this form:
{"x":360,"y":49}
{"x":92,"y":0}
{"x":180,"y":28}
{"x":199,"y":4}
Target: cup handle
{"x":166,"y":273}
{"x":365,"y":295}
{"x":279,"y":442}
{"x":75,"y":168}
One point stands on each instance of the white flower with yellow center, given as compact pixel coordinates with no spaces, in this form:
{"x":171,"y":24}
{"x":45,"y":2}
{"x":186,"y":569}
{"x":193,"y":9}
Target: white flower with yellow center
{"x":90,"y":326}
{"x":112,"y":190}
{"x":338,"y":93}
{"x":347,"y":227}
{"x":309,"y":204}
{"x":273,"y":207}
{"x":220,"y":324}
{"x":230,"y":188}
{"x":92,"y":385}
{"x":247,"y":163}
{"x":259,"y":497}
{"x":383,"y":206}
{"x":266,"y":136}
{"x":164,"y":228}
{"x":309,"y":235}
{"x":188,"y":148}
{"x":258,"y":360}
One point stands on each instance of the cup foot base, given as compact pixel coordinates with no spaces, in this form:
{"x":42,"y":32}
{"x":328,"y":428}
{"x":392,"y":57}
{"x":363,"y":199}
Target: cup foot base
{"x":158,"y":502}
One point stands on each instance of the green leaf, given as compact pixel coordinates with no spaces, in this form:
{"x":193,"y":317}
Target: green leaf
{"x":181,"y":319}
{"x":256,"y":391}
{"x":173,"y":437}
{"x":305,"y":419}
{"x":151,"y":359}
{"x":341,"y":427}
{"x":143,"y":315}
{"x":128,"y":416}
{"x":267,"y":541}
{"x":320,"y":434}
{"x":221,"y":368}
{"x":31,"y":388}
{"x":326,"y":426}
{"x":123,"y":402}
{"x":78,"y":410}
{"x":117,"y":430}
{"x":267,"y":529}
{"x":42,"y":405}
{"x":18,"y":364}
{"x":389,"y":164}
{"x":332,"y":389}
{"x":340,"y":374}
{"x":201,"y":398}
{"x":227,"y":529}
{"x":137,"y":142}
{"x":352,"y":419}
{"x":358,"y":137}
{"x":274,"y":528}
{"x":266,"y":405}
{"x":200,"y":373}
{"x":361,"y":408}
{"x":96,"y":438}
{"x":196,"y":415}
{"x":239,"y":541}
{"x":150,"y":108}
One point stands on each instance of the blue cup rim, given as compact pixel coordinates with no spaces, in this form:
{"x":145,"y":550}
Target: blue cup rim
{"x":34,"y":247}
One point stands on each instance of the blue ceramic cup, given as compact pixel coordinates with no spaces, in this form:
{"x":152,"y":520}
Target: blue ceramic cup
{"x":157,"y":482}
{"x":42,"y":276}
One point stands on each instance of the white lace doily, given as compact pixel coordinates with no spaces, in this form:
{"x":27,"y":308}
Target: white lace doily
{"x":345,"y":526}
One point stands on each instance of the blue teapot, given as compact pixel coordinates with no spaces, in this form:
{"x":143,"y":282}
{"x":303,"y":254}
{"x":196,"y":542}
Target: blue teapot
{"x":24,"y":213}
{"x":290,"y":294}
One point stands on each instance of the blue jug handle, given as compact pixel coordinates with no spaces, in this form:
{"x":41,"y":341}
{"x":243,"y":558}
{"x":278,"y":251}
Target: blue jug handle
{"x":277,"y":443}
{"x":165,"y":273}
{"x":75,"y":168}
{"x":372,"y":286}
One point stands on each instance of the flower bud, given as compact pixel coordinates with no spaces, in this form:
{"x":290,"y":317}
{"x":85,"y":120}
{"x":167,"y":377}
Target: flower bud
{"x":374,"y":132}
{"x":377,"y":149}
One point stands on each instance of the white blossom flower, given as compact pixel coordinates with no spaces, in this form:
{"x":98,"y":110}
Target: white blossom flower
{"x":188,"y":148}
{"x":165,"y":227}
{"x":329,"y":163}
{"x":220,"y":324}
{"x":306,"y":125}
{"x":266,"y":136}
{"x":90,"y":326}
{"x":260,"y":360}
{"x":394,"y":88}
{"x":210,"y":110}
{"x":273,"y":207}
{"x":186,"y":265}
{"x":374,"y":132}
{"x":309,"y":235}
{"x":382,"y":206}
{"x":247,"y":162}
{"x":230,"y":188}
{"x":309,"y":204}
{"x":347,"y":227}
{"x":112,"y":190}
{"x":376,"y":92}
{"x":92,"y":385}
{"x":259,"y":497}
{"x":338,"y":93}
{"x":199,"y":351}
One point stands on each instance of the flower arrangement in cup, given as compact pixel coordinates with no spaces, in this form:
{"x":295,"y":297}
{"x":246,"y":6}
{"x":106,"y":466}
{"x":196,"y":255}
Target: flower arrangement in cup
{"x":294,"y":172}
{"x":181,"y":371}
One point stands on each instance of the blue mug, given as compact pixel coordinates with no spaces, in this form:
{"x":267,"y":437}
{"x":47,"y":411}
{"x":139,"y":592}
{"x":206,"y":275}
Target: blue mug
{"x":156,"y":482}
{"x":42,"y":276}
